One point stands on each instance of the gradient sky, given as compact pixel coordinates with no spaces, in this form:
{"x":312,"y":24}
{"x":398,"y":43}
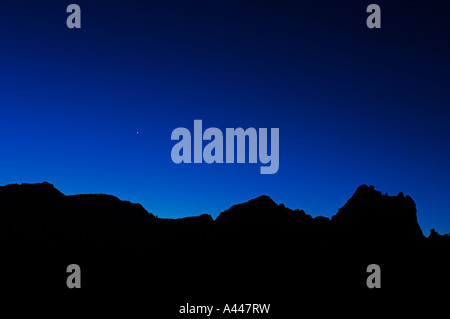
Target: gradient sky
{"x":354,"y":105}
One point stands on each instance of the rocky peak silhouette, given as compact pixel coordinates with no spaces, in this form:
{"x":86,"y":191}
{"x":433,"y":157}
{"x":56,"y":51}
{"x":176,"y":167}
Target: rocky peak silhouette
{"x":31,"y":192}
{"x":370,"y":215}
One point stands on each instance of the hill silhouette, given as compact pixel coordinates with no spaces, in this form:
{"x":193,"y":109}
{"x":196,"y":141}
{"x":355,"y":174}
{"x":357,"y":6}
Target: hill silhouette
{"x":258,"y":251}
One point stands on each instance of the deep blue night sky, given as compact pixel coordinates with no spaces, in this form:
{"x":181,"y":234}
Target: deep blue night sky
{"x":354,"y":105}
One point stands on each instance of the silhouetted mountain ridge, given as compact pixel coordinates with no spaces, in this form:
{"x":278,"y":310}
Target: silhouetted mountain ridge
{"x":366,"y":214}
{"x":258,"y":250}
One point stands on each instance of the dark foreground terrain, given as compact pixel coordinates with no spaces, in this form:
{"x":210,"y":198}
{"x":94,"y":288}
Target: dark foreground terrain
{"x":134,"y":264}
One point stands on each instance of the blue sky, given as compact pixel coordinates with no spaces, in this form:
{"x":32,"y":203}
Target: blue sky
{"x":354,"y":105}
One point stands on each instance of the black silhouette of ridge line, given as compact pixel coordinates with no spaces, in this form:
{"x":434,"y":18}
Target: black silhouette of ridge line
{"x":367,"y":206}
{"x":257,"y":251}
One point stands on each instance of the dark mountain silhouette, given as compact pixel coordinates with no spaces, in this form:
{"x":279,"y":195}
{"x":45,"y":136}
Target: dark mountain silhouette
{"x":257,"y":251}
{"x":370,"y":215}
